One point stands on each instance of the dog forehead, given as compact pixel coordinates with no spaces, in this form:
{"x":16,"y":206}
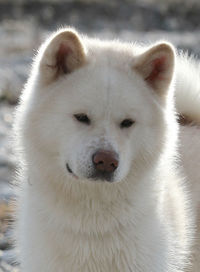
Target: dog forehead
{"x":100,"y":84}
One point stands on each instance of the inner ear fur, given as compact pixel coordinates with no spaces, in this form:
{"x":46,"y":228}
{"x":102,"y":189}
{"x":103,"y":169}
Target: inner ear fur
{"x":156,"y":66}
{"x":61,"y":54}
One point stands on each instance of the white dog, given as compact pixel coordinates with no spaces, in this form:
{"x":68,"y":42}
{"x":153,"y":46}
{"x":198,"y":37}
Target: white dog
{"x":97,"y":136}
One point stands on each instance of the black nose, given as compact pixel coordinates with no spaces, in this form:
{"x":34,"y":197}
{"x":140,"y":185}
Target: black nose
{"x":105,"y":161}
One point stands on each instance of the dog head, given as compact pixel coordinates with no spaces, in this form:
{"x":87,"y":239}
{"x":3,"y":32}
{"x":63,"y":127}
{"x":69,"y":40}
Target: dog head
{"x":97,"y":110}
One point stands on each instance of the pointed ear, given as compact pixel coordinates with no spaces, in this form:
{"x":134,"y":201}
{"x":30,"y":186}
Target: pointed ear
{"x":61,"y":54}
{"x":156,"y":66}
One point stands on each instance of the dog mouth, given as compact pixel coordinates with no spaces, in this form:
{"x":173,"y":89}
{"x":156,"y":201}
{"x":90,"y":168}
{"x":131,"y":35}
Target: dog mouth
{"x":96,"y":176}
{"x":70,"y":171}
{"x":102,"y":176}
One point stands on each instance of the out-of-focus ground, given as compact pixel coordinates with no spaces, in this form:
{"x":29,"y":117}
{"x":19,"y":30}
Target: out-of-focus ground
{"x":25,"y":24}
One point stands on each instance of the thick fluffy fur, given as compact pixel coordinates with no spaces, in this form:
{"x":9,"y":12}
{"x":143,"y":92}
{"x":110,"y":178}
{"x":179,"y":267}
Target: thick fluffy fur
{"x":188,"y":105}
{"x":143,"y":220}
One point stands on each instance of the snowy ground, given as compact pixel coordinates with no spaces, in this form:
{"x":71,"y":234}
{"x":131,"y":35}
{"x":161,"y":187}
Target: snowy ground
{"x":21,"y":38}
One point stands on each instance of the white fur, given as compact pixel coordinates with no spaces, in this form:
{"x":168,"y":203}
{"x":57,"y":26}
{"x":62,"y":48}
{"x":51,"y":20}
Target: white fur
{"x":188,"y":105}
{"x":188,"y":87}
{"x":142,"y":222}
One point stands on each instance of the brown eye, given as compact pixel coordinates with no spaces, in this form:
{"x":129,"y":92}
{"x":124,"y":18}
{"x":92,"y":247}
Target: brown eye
{"x":126,"y":123}
{"x":82,"y":118}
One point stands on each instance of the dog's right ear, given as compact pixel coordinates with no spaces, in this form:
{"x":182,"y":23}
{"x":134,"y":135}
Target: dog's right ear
{"x":60,"y":55}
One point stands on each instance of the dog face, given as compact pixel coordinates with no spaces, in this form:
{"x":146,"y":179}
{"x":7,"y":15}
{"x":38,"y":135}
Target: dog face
{"x":98,"y":112}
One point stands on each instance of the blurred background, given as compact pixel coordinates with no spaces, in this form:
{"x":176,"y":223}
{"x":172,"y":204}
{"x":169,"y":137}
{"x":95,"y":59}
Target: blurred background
{"x":24,"y":24}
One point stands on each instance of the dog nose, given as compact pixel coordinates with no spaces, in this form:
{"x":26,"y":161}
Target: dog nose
{"x":105,"y":161}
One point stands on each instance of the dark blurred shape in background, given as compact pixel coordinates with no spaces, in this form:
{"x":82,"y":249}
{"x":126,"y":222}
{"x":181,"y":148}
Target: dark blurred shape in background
{"x":95,"y":15}
{"x":102,"y":15}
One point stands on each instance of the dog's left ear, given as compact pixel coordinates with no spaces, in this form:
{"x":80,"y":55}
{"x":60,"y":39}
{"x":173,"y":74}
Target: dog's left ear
{"x":156,"y":66}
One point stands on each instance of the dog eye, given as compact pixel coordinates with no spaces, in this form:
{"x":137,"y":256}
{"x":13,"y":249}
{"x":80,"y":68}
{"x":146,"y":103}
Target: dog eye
{"x":126,"y":123}
{"x":83,"y":118}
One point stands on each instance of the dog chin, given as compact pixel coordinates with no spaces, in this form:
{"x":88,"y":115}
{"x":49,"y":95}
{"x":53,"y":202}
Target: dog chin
{"x":103,"y":178}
